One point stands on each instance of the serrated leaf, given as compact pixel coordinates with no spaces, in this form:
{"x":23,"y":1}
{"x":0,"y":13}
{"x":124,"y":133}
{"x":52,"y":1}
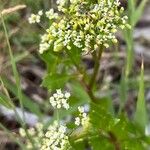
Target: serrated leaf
{"x":77,"y":145}
{"x":99,"y":142}
{"x":55,"y":81}
{"x":100,"y":117}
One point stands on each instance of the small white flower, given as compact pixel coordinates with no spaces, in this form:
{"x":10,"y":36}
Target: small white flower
{"x":52,"y":99}
{"x":84,"y":115}
{"x":22,"y":132}
{"x":55,"y":138}
{"x":62,"y":129}
{"x":61,"y":2}
{"x":32,"y":131}
{"x":81,"y":109}
{"x":51,"y":15}
{"x":43,"y":47}
{"x":39,"y":126}
{"x":34,"y":19}
{"x":60,"y":99}
{"x":59,"y":91}
{"x":40,"y":12}
{"x":77,"y":121}
{"x":82,"y":118}
{"x":67,"y":94}
{"x":58,"y":106}
{"x":66,"y":106}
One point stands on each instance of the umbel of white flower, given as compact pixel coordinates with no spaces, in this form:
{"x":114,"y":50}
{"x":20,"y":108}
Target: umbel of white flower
{"x":35,"y":18}
{"x":60,"y":100}
{"x":84,"y":24}
{"x":35,"y":133}
{"x":55,"y":138}
{"x":82,"y":118}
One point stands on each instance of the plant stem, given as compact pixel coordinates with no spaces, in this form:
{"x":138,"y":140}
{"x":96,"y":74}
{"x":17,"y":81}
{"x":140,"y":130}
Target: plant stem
{"x":96,"y":67}
{"x":113,"y":139}
{"x":83,"y":82}
{"x":57,"y":115}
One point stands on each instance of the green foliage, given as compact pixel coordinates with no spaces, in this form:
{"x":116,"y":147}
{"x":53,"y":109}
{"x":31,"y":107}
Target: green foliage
{"x":90,"y":27}
{"x":141,"y":106}
{"x":111,"y":132}
{"x":134,"y":13}
{"x":55,"y":81}
{"x":51,"y":62}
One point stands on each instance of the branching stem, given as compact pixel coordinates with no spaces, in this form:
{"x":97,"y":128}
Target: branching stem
{"x":97,"y":58}
{"x":83,"y":82}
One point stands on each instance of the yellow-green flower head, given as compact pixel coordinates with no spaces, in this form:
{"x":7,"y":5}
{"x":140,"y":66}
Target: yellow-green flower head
{"x":84,"y":24}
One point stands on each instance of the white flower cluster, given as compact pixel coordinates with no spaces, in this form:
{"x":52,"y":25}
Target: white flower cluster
{"x":82,"y":119}
{"x":35,"y":134}
{"x":55,"y":138}
{"x":61,"y":2}
{"x":35,"y":18}
{"x":60,"y":100}
{"x":84,"y":24}
{"x":51,"y":15}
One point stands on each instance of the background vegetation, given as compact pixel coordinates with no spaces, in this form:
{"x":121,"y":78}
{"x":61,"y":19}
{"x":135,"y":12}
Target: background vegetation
{"x":124,"y":83}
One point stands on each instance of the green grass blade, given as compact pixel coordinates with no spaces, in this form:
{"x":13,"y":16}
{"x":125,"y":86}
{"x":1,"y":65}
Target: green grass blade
{"x":139,"y":11}
{"x":7,"y":101}
{"x":140,"y":114}
{"x":131,"y":10}
{"x":14,"y":68}
{"x":4,"y":101}
{"x":130,"y":52}
{"x":28,"y":103}
{"x":123,"y":93}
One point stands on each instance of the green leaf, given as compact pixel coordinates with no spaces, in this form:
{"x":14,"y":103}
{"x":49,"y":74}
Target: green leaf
{"x":55,"y":81}
{"x":101,"y":117}
{"x":108,"y":130}
{"x":77,"y":145}
{"x":79,"y":92}
{"x":51,"y":60}
{"x":99,"y":142}
{"x":140,"y":114}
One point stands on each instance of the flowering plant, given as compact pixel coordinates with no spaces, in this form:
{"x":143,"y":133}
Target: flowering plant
{"x":83,"y":24}
{"x":80,"y":27}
